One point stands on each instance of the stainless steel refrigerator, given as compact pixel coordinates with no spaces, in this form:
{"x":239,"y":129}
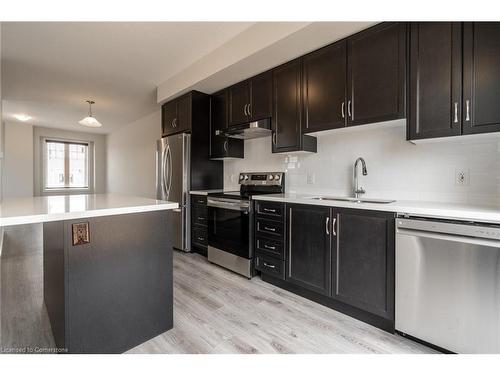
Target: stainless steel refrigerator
{"x":173,"y":183}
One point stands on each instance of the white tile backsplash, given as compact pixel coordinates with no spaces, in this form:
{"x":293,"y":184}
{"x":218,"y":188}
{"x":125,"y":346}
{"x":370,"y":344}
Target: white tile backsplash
{"x":397,"y":168}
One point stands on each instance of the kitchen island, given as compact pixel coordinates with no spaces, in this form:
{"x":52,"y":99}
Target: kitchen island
{"x":107,"y":267}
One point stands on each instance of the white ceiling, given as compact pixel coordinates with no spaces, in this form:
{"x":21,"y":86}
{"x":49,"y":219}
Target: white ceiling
{"x":50,"y":68}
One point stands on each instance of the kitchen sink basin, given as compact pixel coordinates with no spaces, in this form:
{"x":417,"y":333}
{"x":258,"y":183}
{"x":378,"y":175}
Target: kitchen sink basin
{"x":353,"y":200}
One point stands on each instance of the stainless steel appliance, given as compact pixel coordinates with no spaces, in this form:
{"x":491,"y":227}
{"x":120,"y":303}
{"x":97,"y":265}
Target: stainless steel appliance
{"x":230,"y":221}
{"x":255,"y":129}
{"x":173,"y":183}
{"x":448,"y":283}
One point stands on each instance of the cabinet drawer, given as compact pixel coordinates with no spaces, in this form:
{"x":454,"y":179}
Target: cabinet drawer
{"x":199,"y":236}
{"x":270,"y":247}
{"x":268,"y":227}
{"x":270,"y":266}
{"x":199,"y":200}
{"x":199,"y":215}
{"x":270,"y":209}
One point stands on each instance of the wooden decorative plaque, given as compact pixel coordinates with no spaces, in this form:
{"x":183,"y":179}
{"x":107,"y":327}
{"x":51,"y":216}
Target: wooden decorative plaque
{"x":81,"y":233}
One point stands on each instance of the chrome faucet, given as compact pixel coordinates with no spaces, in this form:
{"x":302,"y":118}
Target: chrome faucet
{"x":357,"y":189}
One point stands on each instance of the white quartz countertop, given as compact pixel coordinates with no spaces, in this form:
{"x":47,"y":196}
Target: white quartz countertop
{"x":205,"y":192}
{"x":487,"y":214}
{"x":15,"y":211}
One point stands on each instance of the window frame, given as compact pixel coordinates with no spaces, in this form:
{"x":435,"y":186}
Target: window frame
{"x":67,"y":190}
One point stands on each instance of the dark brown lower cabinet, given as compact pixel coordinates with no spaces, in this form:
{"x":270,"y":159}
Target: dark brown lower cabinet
{"x":341,"y":258}
{"x":363,"y":260}
{"x":309,"y":247}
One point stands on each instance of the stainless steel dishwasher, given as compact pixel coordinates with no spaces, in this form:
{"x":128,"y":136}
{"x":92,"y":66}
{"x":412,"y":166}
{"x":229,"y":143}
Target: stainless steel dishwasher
{"x":448,"y":283}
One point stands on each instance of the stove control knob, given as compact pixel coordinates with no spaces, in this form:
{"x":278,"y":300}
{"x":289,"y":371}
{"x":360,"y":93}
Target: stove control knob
{"x":271,"y":177}
{"x":241,"y":177}
{"x":277,"y":177}
{"x":246,"y":177}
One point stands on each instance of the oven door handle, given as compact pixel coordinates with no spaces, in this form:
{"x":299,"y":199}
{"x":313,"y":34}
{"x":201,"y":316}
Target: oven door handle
{"x":235,"y":206}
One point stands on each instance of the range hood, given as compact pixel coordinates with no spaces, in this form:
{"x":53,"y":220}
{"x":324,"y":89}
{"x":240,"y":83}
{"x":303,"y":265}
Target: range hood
{"x":255,"y":129}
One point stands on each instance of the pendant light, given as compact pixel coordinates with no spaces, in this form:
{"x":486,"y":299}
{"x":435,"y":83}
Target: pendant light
{"x":90,"y":121}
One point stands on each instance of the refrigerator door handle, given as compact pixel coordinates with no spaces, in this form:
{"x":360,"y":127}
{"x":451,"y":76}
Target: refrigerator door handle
{"x":169,"y":157}
{"x":164,"y":172}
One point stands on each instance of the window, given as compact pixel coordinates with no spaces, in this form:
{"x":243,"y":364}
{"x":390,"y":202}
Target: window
{"x":67,"y":165}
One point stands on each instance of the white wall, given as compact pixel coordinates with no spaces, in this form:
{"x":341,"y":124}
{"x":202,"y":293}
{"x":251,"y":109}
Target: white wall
{"x":21,"y":175}
{"x":17,"y":173}
{"x":396,"y":168}
{"x":99,"y":141}
{"x":131,"y":157}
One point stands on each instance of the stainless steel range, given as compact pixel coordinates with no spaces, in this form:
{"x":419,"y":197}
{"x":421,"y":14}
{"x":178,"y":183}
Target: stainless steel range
{"x":230,"y":220}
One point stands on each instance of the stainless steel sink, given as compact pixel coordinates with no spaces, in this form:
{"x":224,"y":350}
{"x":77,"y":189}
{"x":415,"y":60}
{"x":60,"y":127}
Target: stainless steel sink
{"x":353,"y":200}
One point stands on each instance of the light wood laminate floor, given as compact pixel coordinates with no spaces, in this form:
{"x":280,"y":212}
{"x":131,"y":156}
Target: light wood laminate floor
{"x":215,"y":311}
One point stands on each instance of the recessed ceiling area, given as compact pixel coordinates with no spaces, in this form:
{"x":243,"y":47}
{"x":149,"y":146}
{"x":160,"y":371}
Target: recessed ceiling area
{"x":49,"y":69}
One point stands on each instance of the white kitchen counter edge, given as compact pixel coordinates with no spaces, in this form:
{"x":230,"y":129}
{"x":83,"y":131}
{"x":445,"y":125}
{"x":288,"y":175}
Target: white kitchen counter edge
{"x":416,"y":208}
{"x":149,"y":205}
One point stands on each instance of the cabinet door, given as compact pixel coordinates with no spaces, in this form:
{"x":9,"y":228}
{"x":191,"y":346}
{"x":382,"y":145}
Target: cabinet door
{"x":435,"y":79}
{"x":239,"y":98}
{"x":324,"y":73}
{"x":287,"y":107}
{"x":261,"y":95}
{"x":183,"y":119}
{"x":481,"y":112}
{"x":376,"y":74}
{"x":309,"y":251}
{"x":218,"y":122}
{"x":168,"y":115}
{"x":363,"y":260}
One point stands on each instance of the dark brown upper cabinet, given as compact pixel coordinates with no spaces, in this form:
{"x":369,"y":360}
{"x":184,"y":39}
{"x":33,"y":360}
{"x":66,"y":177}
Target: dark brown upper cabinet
{"x":481,"y":77}
{"x":222,"y":147}
{"x":251,"y":100}
{"x":176,"y":115}
{"x":376,"y":74}
{"x":435,"y":94}
{"x":287,"y":110}
{"x":324,"y":85}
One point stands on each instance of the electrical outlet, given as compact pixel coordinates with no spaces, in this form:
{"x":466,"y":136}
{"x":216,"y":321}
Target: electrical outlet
{"x":311,"y":178}
{"x":461,"y":177}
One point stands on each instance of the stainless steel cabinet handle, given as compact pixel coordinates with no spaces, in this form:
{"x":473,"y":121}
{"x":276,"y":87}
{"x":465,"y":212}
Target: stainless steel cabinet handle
{"x":269,"y":210}
{"x":270,"y":247}
{"x":175,"y":122}
{"x":343,"y":109}
{"x":327,"y":222}
{"x":270,"y":229}
{"x":349,"y":109}
{"x":249,"y":110}
{"x":225,"y":146}
{"x":274,"y":138}
{"x":201,"y":238}
{"x":467,"y":110}
{"x":172,"y":123}
{"x":201,"y":218}
{"x":456,"y":112}
{"x":245,"y":110}
{"x":333,"y":226}
{"x":272,"y":266}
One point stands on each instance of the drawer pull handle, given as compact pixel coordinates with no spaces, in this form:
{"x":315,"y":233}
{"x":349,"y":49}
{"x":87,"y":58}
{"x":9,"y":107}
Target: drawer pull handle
{"x":270,"y":229}
{"x":272,"y":266}
{"x":269,"y":210}
{"x":201,"y":218}
{"x":270,"y":247}
{"x":201,"y":238}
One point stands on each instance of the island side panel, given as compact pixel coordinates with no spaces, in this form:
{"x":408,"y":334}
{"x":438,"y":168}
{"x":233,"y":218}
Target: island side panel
{"x":53,"y":278}
{"x":119,"y":290}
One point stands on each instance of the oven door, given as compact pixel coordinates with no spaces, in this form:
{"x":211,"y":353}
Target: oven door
{"x":229,"y":226}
